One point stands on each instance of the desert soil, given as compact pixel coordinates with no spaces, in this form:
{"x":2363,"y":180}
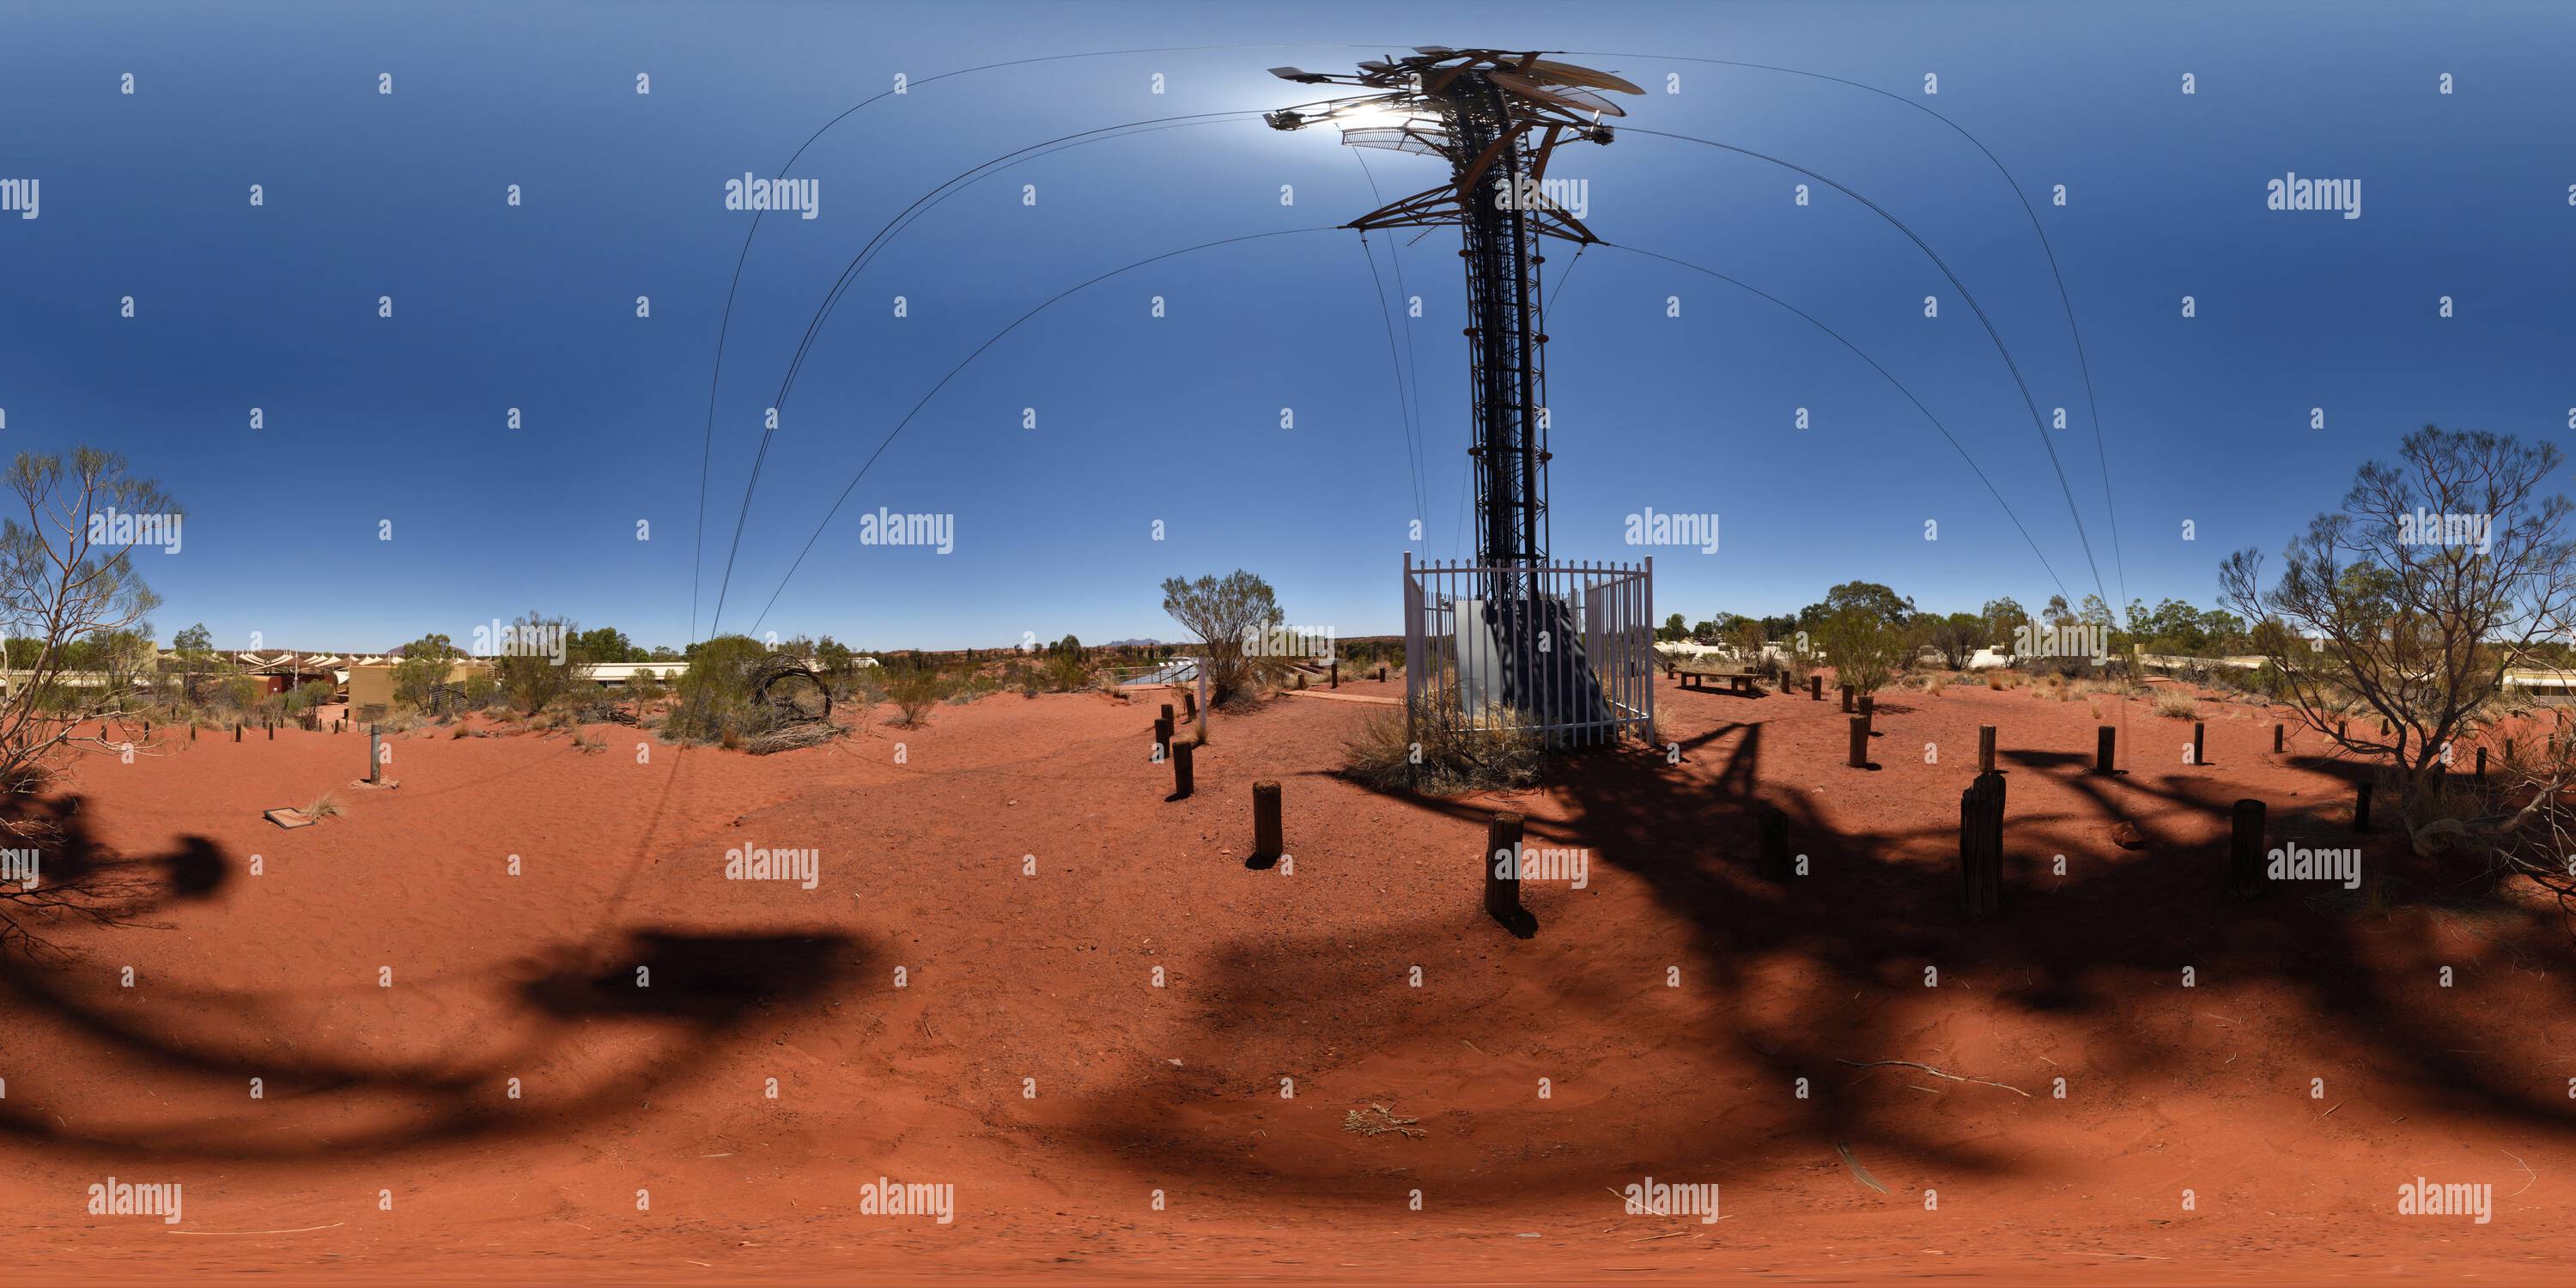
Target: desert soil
{"x":1023,"y":973}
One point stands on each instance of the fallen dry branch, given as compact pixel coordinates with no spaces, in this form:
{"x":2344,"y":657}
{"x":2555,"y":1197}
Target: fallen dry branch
{"x":1937,"y":1073}
{"x":812,"y":733}
{"x":1380,"y":1120}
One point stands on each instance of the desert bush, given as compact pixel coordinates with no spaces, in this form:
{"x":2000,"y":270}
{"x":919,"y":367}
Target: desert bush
{"x":1065,"y":673}
{"x":1459,"y":753}
{"x":715,"y":701}
{"x":914,"y":692}
{"x":535,"y":666}
{"x":2174,"y":704}
{"x":2058,"y":667}
{"x":1866,"y":650}
{"x":1223,"y":614}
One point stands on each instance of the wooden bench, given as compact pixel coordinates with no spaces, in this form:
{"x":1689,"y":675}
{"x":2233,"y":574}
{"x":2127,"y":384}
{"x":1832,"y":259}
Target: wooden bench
{"x":1745,"y":683}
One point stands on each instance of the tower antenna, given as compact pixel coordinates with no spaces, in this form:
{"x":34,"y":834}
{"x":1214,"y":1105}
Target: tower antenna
{"x":1497,"y":117}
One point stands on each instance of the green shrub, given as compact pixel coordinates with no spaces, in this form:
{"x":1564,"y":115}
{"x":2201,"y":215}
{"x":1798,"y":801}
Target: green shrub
{"x":915,"y":692}
{"x":716,"y":703}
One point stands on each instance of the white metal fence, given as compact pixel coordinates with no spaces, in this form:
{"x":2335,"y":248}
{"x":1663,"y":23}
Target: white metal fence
{"x":1563,"y":649}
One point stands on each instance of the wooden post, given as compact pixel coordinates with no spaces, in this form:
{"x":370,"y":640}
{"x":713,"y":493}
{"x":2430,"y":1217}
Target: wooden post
{"x":1181,"y":782}
{"x":1163,"y":732}
{"x":1266,"y":844}
{"x":1985,"y":749}
{"x":272,"y":731}
{"x":2245,"y":872}
{"x":1981,"y":845}
{"x":1869,"y":706}
{"x":1381,"y":675}
{"x":1815,"y":688}
{"x":1860,"y":742}
{"x":1189,"y":705}
{"x":2342,"y":728}
{"x":2198,"y":756}
{"x":2361,"y":806}
{"x":192,"y":728}
{"x":375,"y":762}
{"x":1847,"y":699}
{"x":236,"y":731}
{"x":1301,"y":682}
{"x":1502,"y":854}
{"x":2482,"y":763}
{"x":1337,"y":673}
{"x":2276,"y":737}
{"x":2106,"y":746}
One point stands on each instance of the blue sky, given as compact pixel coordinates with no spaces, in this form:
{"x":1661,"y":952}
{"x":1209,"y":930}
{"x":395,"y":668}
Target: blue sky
{"x":402,"y":420}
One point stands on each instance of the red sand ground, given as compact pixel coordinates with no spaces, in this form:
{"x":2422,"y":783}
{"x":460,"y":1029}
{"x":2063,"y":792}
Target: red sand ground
{"x":1671,"y":1006}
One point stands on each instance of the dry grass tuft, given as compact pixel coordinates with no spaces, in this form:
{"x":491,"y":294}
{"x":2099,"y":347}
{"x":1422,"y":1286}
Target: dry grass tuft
{"x":1456,"y":753}
{"x":2177,"y":705}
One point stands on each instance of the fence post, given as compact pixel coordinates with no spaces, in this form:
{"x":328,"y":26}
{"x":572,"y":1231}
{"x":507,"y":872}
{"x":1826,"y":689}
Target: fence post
{"x":2276,"y":737}
{"x":2482,"y":763}
{"x":2361,"y":806}
{"x":1860,"y":742}
{"x":2198,"y":756}
{"x":1981,"y":845}
{"x":375,"y":763}
{"x":1163,"y":732}
{"x":2106,"y":746}
{"x":1847,"y":699}
{"x":2246,"y":875}
{"x":1266,"y":842}
{"x":1985,"y":749}
{"x":1337,"y":673}
{"x":1181,"y":782}
{"x":236,"y":731}
{"x":1869,"y":706}
{"x":1503,"y":849}
{"x":1815,"y":688}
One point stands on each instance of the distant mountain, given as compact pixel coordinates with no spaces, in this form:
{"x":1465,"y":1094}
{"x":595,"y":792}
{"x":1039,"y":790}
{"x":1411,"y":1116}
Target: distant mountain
{"x":1134,"y":643}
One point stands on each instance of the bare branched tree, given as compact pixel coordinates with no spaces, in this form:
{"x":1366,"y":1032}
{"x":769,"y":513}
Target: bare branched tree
{"x":1225,"y":615}
{"x":2439,"y":574}
{"x":68,"y":587}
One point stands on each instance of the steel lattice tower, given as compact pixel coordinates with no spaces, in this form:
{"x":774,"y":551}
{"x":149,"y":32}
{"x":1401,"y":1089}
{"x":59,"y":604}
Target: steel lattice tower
{"x":1497,"y":118}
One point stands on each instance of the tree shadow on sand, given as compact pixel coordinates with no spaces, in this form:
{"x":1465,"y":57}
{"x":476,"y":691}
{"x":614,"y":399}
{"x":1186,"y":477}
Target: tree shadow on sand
{"x":692,"y":994}
{"x":1855,"y":934}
